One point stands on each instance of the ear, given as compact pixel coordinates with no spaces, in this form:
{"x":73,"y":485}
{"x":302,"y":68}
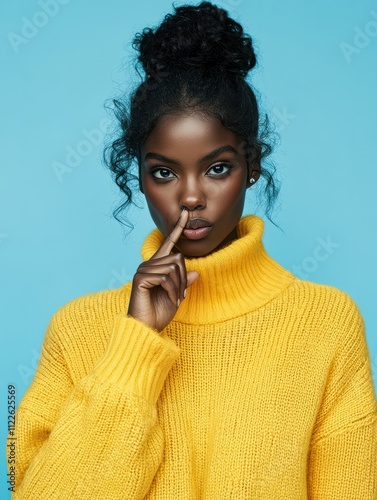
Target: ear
{"x":253,"y":172}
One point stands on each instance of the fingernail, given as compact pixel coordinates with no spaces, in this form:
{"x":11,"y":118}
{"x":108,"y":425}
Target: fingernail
{"x":178,"y":302}
{"x":184,"y":293}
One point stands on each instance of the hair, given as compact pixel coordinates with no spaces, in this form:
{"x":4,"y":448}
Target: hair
{"x":196,"y":60}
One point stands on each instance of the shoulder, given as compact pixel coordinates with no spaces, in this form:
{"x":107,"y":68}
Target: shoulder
{"x":91,"y":310}
{"x":78,"y":332}
{"x":328,"y":318}
{"x":324,"y":303}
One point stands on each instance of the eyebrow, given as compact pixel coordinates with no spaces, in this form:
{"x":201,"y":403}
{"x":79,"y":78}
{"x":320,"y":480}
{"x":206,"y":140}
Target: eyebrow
{"x":209,"y":156}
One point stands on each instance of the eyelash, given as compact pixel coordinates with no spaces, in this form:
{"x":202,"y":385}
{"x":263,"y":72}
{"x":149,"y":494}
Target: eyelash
{"x":220,"y":176}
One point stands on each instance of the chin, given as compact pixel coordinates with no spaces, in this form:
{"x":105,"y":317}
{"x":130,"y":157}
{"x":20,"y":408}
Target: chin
{"x":195,"y":251}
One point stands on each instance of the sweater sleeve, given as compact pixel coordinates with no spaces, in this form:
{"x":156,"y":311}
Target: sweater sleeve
{"x":342,"y":461}
{"x":100,"y":437}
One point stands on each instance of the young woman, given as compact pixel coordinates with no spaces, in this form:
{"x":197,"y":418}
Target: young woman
{"x":216,"y":373}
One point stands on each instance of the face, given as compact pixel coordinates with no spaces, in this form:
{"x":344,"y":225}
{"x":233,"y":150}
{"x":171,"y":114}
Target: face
{"x":193,"y":162}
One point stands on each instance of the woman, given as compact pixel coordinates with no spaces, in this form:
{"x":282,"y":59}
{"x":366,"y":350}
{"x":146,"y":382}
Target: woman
{"x":216,"y":373}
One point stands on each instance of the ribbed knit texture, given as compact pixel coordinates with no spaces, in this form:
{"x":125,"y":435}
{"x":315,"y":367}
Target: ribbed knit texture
{"x":259,"y":388}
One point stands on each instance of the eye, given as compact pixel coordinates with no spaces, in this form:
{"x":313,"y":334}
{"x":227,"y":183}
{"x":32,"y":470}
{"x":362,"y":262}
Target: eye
{"x":220,"y":167}
{"x":163,"y":171}
{"x":160,"y":173}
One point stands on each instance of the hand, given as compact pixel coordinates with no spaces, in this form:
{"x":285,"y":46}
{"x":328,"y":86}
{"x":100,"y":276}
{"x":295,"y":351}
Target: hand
{"x":159,"y":283}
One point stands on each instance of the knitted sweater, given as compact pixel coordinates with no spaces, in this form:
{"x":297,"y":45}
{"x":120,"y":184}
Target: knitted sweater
{"x":259,"y":388}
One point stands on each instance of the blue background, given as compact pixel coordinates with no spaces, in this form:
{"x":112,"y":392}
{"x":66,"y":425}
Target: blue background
{"x":316,"y":77}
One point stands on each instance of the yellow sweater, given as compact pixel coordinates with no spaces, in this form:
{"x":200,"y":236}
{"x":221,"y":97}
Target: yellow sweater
{"x":260,"y":388}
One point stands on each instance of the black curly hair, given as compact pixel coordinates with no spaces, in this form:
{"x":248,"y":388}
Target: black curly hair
{"x":195,"y":60}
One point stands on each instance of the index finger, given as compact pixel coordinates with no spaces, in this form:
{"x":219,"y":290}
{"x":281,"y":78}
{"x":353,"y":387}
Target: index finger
{"x":173,"y":237}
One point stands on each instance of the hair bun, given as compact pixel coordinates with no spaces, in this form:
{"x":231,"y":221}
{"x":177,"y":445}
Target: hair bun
{"x":201,"y":36}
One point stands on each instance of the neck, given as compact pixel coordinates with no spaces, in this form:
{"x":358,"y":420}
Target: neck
{"x":234,"y":280}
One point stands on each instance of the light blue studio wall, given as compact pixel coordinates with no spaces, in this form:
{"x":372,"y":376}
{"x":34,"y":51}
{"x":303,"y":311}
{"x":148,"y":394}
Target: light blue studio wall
{"x":63,"y":59}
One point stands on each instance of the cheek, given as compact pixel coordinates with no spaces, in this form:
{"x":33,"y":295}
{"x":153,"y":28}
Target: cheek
{"x":231,"y":194}
{"x":158,"y":205}
{"x":155,"y":196}
{"x":158,"y":208}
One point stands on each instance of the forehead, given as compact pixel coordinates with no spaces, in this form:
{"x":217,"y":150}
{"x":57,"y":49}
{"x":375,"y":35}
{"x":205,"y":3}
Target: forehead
{"x":195,"y":132}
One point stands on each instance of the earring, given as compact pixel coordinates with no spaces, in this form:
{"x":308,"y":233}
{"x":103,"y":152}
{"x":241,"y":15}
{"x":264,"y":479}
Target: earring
{"x":252,"y":180}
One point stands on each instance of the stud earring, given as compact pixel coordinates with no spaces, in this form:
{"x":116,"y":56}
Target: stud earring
{"x":252,"y":180}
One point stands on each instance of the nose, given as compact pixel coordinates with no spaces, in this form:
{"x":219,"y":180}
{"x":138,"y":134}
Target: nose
{"x":192,"y":196}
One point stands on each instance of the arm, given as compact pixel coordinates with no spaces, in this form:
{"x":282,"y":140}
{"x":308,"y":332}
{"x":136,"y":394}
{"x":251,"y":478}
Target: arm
{"x":102,"y":434}
{"x":343,"y":452}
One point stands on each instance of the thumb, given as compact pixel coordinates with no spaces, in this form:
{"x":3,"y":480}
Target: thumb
{"x":191,"y":277}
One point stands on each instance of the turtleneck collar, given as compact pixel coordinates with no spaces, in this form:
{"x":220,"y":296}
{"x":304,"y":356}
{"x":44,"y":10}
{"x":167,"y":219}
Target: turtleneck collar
{"x":234,"y":280}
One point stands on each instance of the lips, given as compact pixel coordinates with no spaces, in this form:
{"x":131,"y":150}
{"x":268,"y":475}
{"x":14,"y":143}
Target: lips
{"x":197,"y":223}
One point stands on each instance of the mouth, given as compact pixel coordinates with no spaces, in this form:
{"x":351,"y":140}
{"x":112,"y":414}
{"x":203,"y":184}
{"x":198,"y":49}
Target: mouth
{"x":196,"y":234}
{"x":197,"y":223}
